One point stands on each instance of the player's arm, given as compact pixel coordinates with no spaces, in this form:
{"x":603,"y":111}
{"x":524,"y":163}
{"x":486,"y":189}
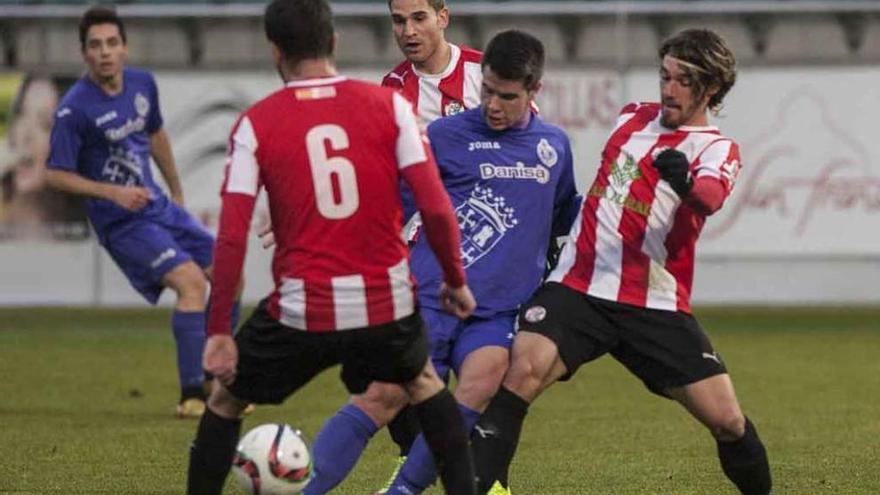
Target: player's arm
{"x":130,"y":198}
{"x":714,"y":173}
{"x":65,"y":143}
{"x":160,"y":150}
{"x":239,"y":194}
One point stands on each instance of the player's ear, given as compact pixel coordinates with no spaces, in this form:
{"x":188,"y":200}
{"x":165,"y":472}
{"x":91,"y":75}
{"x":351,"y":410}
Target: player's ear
{"x":276,"y":53}
{"x":334,"y":43}
{"x":443,"y":18}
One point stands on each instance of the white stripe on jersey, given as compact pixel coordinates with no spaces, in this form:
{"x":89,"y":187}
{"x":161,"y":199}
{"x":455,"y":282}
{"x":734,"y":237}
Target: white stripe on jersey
{"x":243,"y":170}
{"x":662,"y":286}
{"x":292,"y":301}
{"x":350,"y":302}
{"x":473,"y":82}
{"x":401,"y":290}
{"x":569,"y":251}
{"x":605,"y":283}
{"x":430,"y":104}
{"x":410,"y":147}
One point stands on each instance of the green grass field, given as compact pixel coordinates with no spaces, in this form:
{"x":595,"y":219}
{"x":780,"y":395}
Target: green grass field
{"x":86,"y":402}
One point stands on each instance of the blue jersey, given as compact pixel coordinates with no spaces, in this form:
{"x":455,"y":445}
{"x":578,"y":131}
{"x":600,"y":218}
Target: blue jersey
{"x":107,"y":139}
{"x":511,"y":191}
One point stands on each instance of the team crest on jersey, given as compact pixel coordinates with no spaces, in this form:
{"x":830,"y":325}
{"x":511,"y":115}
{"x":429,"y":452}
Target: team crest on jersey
{"x":547,"y":153}
{"x":484,"y":219}
{"x":535,"y":314}
{"x":624,"y":171}
{"x":141,"y":104}
{"x":122,"y":167}
{"x":452,"y":108}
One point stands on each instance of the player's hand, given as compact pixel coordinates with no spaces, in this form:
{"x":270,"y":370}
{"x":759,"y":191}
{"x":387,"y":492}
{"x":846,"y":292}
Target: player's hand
{"x":459,"y":302}
{"x":221,"y":358}
{"x":132,"y":198}
{"x":674,"y":168}
{"x":267,"y":236}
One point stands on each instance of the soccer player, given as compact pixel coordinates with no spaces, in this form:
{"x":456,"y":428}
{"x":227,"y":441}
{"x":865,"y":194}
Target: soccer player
{"x":106,"y":128}
{"x":438,"y":77}
{"x":343,"y":291}
{"x":623,"y":284}
{"x":511,"y":178}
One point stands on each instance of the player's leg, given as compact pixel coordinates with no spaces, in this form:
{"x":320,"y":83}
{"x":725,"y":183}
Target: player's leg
{"x":743,"y":457}
{"x":480,"y":356}
{"x":343,"y":438}
{"x":559,"y":331}
{"x":188,"y":325}
{"x":672,"y":355}
{"x":150,"y":257}
{"x":273,"y":362}
{"x":443,"y":329}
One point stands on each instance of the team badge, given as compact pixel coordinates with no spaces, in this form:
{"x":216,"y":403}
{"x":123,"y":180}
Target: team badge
{"x":535,"y":314}
{"x":547,"y":153}
{"x":484,"y":219}
{"x":141,"y":104}
{"x":452,"y":108}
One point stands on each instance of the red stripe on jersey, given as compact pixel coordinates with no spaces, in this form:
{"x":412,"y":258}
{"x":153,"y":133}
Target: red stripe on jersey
{"x":636,"y":265}
{"x":681,"y":247}
{"x":579,"y":276}
{"x":320,"y":317}
{"x":380,"y":303}
{"x":452,"y":88}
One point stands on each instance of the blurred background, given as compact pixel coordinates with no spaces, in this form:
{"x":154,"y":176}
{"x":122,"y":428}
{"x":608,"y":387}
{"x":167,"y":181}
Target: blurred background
{"x":801,"y":227}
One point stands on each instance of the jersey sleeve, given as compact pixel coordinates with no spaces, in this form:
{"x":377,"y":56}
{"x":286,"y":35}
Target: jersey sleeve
{"x":154,"y":120}
{"x":720,"y":160}
{"x":411,"y":143}
{"x":66,"y":139}
{"x":239,"y":193}
{"x":566,"y":202}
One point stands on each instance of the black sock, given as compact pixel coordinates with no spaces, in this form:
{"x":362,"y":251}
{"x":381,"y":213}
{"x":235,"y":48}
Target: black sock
{"x":443,"y":428}
{"x":404,"y":429}
{"x":211,"y":453}
{"x":744,"y":461}
{"x":495,"y":438}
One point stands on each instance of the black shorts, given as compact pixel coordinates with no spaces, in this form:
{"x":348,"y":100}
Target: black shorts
{"x":665,"y":349}
{"x":274,"y":360}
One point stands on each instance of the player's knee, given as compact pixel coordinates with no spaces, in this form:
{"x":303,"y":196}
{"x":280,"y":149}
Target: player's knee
{"x":381,"y":402}
{"x":728,"y":425}
{"x":524,"y":376}
{"x":224,"y":404}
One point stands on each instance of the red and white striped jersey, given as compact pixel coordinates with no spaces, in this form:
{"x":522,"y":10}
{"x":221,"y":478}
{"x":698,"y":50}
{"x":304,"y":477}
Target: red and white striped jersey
{"x":332,"y":179}
{"x":634,"y":240}
{"x":455,"y":89}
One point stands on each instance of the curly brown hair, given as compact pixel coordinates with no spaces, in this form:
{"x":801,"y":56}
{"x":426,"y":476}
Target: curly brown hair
{"x":706,"y":57}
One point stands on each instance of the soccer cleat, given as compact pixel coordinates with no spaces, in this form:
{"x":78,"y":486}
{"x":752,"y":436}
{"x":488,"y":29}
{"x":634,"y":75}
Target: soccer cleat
{"x":400,"y":461}
{"x":497,"y":489}
{"x":191,"y":408}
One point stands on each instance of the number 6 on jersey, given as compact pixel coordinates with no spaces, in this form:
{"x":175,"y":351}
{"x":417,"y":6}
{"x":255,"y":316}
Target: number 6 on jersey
{"x":333,"y":203}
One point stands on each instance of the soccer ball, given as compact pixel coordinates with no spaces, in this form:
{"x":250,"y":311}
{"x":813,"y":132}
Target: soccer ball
{"x":273,"y":459}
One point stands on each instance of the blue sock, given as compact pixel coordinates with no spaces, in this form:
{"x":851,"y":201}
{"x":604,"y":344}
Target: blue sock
{"x":419,"y":472}
{"x":337,"y":448}
{"x":189,"y":333}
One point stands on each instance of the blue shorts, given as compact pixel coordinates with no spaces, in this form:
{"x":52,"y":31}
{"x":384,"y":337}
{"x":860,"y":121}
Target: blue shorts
{"x":146,"y":248}
{"x":451,"y":340}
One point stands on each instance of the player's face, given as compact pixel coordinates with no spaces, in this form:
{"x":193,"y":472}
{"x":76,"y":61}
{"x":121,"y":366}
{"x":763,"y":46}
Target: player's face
{"x":418,"y":28}
{"x":680,"y":103}
{"x":105,"y":52}
{"x":504,"y":103}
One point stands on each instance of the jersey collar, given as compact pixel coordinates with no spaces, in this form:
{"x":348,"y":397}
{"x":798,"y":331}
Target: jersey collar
{"x":318,"y":81}
{"x":455,"y":54}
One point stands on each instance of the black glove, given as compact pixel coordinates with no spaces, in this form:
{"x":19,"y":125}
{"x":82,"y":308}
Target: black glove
{"x":674,"y":168}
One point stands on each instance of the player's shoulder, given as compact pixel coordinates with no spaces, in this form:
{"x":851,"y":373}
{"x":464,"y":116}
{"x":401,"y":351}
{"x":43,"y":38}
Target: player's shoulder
{"x":469,"y":54}
{"x":461,"y":122}
{"x":138,"y":75}
{"x":75,"y":100}
{"x":396,"y":78}
{"x":640,"y":108}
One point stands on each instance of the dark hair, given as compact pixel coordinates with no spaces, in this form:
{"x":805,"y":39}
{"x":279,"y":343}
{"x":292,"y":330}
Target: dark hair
{"x":437,"y":5}
{"x":516,"y":56}
{"x":707,"y":59}
{"x":302,"y":29}
{"x":100,"y":14}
